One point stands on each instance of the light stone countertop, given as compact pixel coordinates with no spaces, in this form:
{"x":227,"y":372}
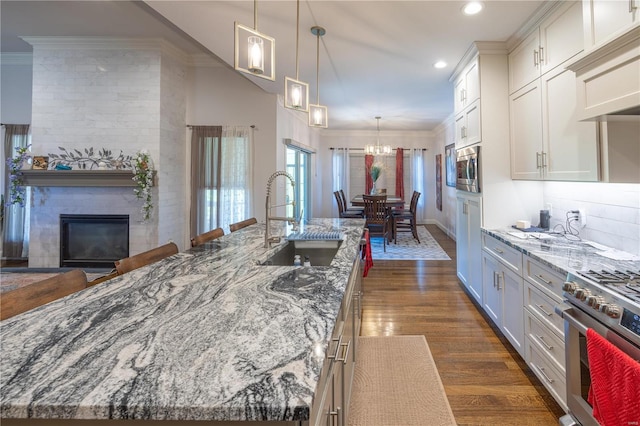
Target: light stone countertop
{"x":205,"y":334}
{"x":561,"y":254}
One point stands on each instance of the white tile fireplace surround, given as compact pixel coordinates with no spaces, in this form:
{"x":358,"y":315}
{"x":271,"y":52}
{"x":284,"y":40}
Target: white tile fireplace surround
{"x":48,"y":203}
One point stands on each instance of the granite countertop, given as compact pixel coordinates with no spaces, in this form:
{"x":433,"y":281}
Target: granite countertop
{"x":205,"y":334}
{"x":560,"y":253}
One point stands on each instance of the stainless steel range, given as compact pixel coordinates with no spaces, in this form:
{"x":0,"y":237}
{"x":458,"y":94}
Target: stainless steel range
{"x":607,"y":301}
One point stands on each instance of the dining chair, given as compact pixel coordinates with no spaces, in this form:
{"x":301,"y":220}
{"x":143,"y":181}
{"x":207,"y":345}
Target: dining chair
{"x":31,"y":296}
{"x":405,"y":220}
{"x":377,"y":217}
{"x":343,"y":212}
{"x":145,"y":258}
{"x":357,"y":210}
{"x":242,"y":224}
{"x":207,"y":236}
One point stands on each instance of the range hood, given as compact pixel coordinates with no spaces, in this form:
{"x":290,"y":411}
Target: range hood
{"x":608,"y":78}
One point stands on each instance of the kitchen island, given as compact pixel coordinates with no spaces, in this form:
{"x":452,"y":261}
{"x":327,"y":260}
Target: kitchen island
{"x":207,"y":334}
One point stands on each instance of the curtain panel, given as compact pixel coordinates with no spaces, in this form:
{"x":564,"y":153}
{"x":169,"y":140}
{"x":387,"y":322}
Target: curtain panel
{"x":400,"y":173}
{"x":368,"y":162}
{"x":341,"y":179}
{"x":205,"y":175}
{"x":15,"y":226}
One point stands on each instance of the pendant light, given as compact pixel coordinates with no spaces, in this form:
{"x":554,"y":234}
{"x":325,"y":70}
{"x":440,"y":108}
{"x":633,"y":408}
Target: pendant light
{"x":377,"y":149}
{"x":254,"y":52}
{"x":296,"y":92}
{"x":318,"y":113}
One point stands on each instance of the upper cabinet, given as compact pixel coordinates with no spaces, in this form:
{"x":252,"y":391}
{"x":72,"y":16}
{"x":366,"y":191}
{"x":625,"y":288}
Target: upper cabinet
{"x":558,"y":38}
{"x":604,"y":20}
{"x":467,"y":87}
{"x":547,"y":141}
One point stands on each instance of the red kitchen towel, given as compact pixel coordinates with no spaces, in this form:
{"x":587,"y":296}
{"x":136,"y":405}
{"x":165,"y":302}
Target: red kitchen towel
{"x":368,"y":259}
{"x":615,"y":383}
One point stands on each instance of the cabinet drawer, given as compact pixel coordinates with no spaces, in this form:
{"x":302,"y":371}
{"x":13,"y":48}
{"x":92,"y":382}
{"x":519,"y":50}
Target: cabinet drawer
{"x":551,"y":378}
{"x":551,"y":345}
{"x":547,"y":280}
{"x":509,"y":256}
{"x":541,"y":306}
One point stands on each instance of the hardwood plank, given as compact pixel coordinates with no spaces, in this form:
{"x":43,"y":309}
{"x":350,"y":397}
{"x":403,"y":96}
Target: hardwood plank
{"x":486,"y":380}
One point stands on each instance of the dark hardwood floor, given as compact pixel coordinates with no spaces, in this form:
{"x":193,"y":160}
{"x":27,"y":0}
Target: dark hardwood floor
{"x":486,"y":380}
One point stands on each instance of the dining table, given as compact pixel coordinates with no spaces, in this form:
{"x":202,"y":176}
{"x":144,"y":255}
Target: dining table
{"x":392,"y":202}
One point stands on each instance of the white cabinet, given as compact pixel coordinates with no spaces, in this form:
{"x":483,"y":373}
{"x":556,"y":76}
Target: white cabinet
{"x":547,"y":140}
{"x":558,"y":38}
{"x":467,"y":87}
{"x":468,"y":243}
{"x":503,"y":290}
{"x":468,"y":130}
{"x":544,"y":330}
{"x":606,"y":19}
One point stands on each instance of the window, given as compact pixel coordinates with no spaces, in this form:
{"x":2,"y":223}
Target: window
{"x":222,"y":177}
{"x":299,"y":167}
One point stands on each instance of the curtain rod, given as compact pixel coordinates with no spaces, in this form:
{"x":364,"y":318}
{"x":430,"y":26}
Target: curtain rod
{"x":362,"y":149}
{"x":253,"y":126}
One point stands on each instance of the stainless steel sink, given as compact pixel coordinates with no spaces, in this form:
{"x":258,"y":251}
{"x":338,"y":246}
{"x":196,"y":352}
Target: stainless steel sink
{"x":320,"y":253}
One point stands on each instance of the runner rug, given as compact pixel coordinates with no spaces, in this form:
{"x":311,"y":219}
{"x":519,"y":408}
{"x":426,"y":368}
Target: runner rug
{"x":408,"y":248}
{"x":396,"y":383}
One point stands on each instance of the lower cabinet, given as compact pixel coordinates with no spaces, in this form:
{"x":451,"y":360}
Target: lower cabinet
{"x":468,"y":242}
{"x":333,"y":394}
{"x":503,"y":297}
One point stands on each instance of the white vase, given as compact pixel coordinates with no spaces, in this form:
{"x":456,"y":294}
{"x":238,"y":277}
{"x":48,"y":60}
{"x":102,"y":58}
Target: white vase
{"x":373,"y":189}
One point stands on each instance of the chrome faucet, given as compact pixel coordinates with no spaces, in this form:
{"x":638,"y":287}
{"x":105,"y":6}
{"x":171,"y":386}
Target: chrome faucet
{"x":268,"y":240}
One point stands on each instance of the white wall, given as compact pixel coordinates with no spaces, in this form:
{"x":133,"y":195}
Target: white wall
{"x":613,"y":211}
{"x":444,"y":135}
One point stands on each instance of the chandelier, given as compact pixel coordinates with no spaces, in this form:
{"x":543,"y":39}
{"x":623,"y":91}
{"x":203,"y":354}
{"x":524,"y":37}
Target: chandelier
{"x":254,"y":52}
{"x":377,"y":149}
{"x":318,"y":113}
{"x":296,"y":92}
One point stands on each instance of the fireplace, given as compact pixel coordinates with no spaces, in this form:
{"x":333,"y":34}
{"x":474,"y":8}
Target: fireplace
{"x":93,"y":241}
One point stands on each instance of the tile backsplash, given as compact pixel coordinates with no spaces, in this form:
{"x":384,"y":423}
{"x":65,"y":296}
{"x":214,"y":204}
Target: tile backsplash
{"x":612,"y":210}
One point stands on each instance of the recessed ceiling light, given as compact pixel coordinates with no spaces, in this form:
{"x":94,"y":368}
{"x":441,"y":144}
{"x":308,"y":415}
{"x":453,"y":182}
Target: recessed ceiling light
{"x":472,"y":8}
{"x":440,"y":64}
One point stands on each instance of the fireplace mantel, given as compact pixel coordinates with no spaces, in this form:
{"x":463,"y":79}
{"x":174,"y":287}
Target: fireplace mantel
{"x":78,"y":178}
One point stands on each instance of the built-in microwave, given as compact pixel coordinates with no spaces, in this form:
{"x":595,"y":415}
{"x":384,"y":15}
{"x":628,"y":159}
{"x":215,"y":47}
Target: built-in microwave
{"x":468,"y":169}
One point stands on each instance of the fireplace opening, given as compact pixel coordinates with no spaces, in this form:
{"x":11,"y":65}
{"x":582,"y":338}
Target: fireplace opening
{"x":93,"y":241}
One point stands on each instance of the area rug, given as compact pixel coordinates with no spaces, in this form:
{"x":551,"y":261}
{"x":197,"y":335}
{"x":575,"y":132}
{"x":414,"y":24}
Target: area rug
{"x":408,"y":248}
{"x":396,"y":383}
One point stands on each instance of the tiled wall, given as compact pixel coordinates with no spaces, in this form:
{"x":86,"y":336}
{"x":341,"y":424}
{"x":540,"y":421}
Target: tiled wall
{"x":613,"y":211}
{"x":115,"y":97}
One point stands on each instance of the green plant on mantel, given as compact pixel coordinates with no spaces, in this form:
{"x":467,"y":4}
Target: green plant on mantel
{"x":143,"y":176}
{"x":17,"y":191}
{"x":90,"y":159}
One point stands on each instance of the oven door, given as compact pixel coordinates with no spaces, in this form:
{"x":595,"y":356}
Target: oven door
{"x":576,"y":323}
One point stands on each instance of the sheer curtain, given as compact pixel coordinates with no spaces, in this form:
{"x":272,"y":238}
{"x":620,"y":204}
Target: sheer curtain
{"x":236,"y":175}
{"x":15,"y":224}
{"x":221,"y":176}
{"x":417,"y":181}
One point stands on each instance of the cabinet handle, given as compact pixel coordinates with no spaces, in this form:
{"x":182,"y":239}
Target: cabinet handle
{"x":541,"y":338}
{"x":498,"y":250}
{"x":463,"y":95}
{"x":541,"y":55}
{"x":541,"y":370}
{"x":335,"y":415}
{"x":544,"y":159}
{"x":543,"y":310}
{"x":501,"y":275}
{"x":535,"y":58}
{"x":494,"y":279}
{"x":631,"y":6}
{"x":463,"y":132}
{"x":339,"y":340}
{"x":345,"y":353}
{"x":543,"y":279}
{"x":537,"y":160}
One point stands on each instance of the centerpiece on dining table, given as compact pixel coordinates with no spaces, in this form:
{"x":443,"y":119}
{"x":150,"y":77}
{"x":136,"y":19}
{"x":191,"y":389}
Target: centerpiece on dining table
{"x":375,"y":172}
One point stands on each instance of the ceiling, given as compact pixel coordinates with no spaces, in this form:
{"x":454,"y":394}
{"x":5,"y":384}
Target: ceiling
{"x":376,"y":58}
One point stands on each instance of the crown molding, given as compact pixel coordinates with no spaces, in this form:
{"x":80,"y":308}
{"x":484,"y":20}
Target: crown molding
{"x":107,"y":43}
{"x":15,"y":58}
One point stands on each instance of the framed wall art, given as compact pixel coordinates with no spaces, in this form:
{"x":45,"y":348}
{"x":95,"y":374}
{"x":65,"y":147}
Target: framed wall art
{"x":450,"y":164}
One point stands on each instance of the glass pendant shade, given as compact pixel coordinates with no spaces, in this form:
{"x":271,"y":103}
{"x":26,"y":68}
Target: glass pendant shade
{"x":254,"y":53}
{"x":318,"y":116}
{"x":296,"y":92}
